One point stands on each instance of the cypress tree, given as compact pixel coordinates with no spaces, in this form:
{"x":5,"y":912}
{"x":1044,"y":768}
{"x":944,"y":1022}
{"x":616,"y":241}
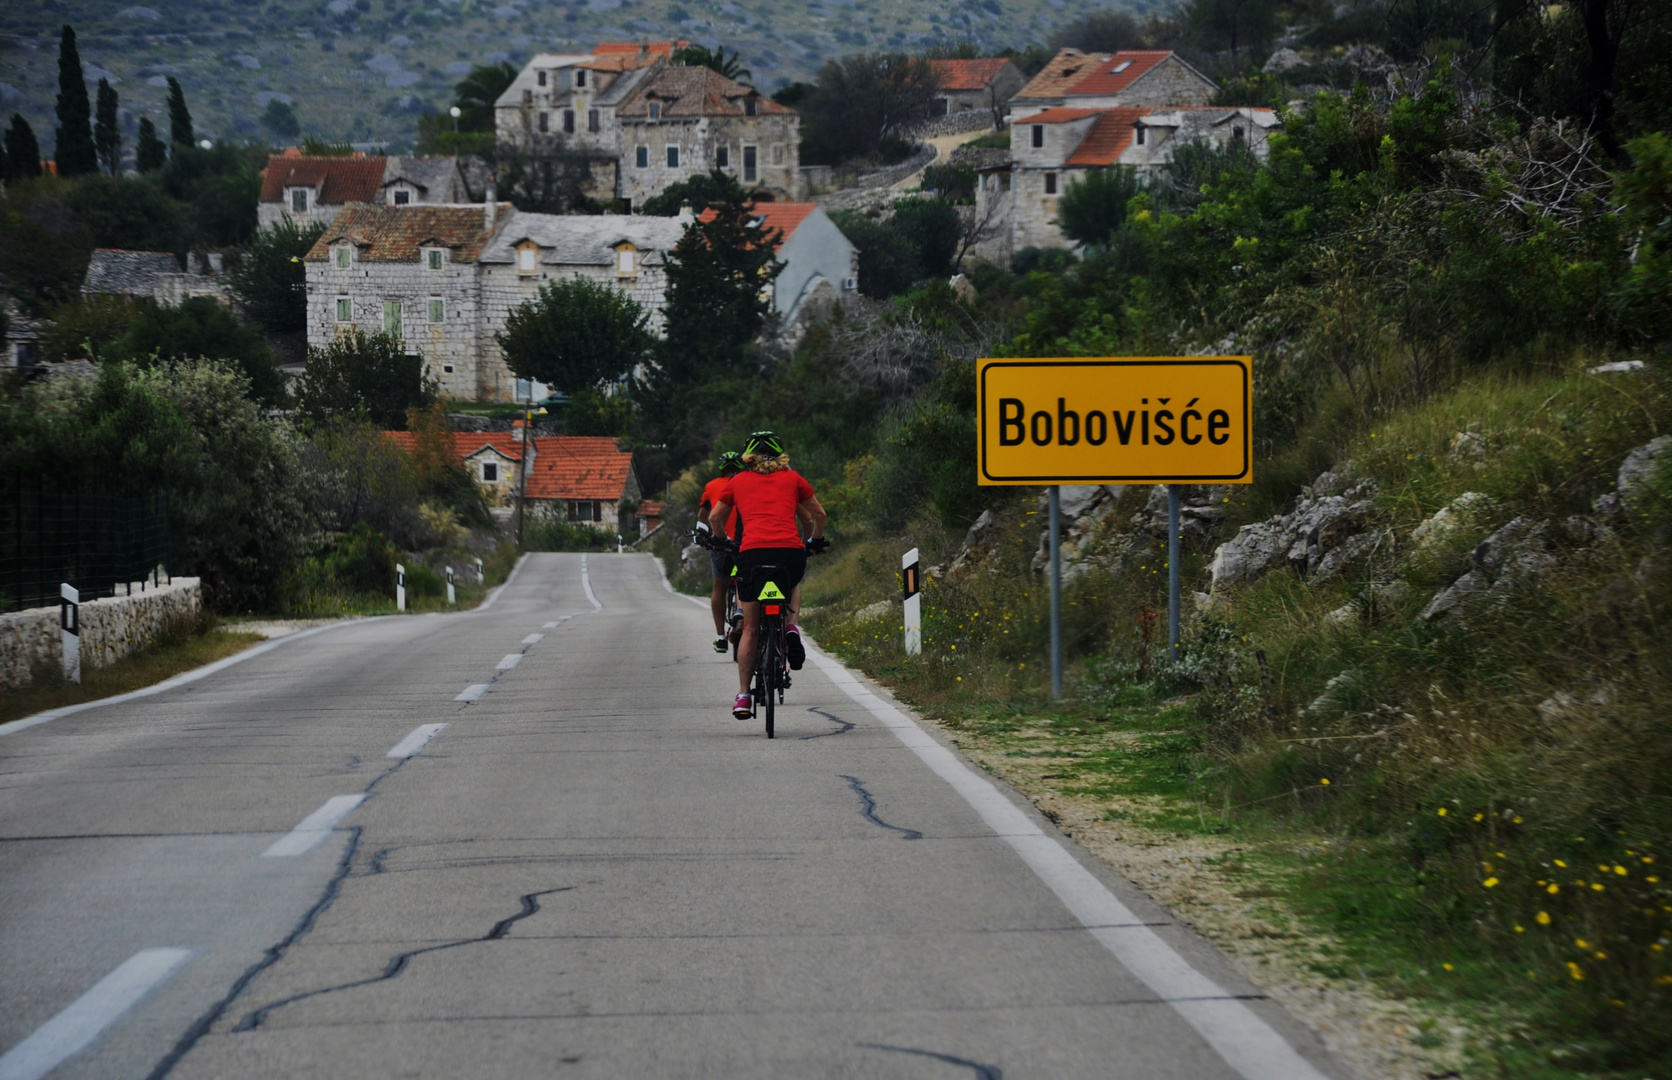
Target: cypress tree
{"x":75,"y":152}
{"x":179,"y":118}
{"x":107,"y":136}
{"x":150,"y":153}
{"x":23,"y":151}
{"x":5,"y":168}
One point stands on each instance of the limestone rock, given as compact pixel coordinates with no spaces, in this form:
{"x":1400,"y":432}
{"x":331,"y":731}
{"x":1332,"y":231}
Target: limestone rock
{"x":1449,"y":520}
{"x":1468,"y":444}
{"x":1283,"y":60}
{"x":1333,"y":509}
{"x":879,"y":610}
{"x":1512,"y":557}
{"x":1639,"y":467}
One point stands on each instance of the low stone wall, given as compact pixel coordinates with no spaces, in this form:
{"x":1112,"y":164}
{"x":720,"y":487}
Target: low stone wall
{"x":955,"y":124}
{"x":111,"y":628}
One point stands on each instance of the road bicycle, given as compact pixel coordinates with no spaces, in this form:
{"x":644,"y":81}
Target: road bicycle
{"x":734,"y":609}
{"x":772,"y":668}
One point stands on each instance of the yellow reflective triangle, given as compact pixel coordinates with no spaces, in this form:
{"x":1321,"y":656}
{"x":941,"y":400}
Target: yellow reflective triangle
{"x":769,"y":591}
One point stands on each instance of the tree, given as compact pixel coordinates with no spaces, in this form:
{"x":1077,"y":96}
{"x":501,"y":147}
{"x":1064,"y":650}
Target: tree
{"x":280,"y":119}
{"x":74,"y":151}
{"x":576,"y":334}
{"x":200,"y":327}
{"x":127,"y":213}
{"x":150,"y":152}
{"x":1101,"y":32}
{"x":476,"y":92}
{"x":861,"y":101}
{"x":695,"y":193}
{"x":107,"y":135}
{"x":1093,"y":205}
{"x":716,"y":60}
{"x":179,"y":117}
{"x":888,"y":263}
{"x":84,"y":327}
{"x":932,"y":228}
{"x":1232,"y":24}
{"x":546,"y":177}
{"x":270,"y":279}
{"x":718,"y":275}
{"x":23,"y":152}
{"x":363,"y":375}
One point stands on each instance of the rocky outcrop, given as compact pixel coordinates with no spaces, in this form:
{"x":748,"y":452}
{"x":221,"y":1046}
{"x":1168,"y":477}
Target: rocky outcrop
{"x":1313,"y":538}
{"x":1635,"y":473}
{"x":1512,"y":557}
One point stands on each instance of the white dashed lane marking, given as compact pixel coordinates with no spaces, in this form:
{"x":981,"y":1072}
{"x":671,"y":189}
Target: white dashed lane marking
{"x":509,"y":661}
{"x":81,"y":1022}
{"x":416,"y":741}
{"x":313,"y":828}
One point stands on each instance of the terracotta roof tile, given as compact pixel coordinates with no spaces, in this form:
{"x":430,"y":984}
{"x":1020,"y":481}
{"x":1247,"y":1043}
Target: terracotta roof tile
{"x":785,"y":217}
{"x":1117,"y":72}
{"x":653,"y":48}
{"x":967,"y":74}
{"x":1108,"y":138}
{"x":694,"y":91}
{"x":465,"y":443}
{"x":1059,"y":115}
{"x":395,"y":233}
{"x":339,"y":179}
{"x":579,"y":467}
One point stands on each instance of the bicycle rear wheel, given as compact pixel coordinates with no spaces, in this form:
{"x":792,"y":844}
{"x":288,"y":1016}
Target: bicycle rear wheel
{"x":769,"y":678}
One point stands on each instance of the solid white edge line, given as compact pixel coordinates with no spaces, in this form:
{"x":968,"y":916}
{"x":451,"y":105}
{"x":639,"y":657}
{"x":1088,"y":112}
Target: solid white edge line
{"x":473,"y":692}
{"x":415,"y":741}
{"x":668,"y":585}
{"x":586,"y":583}
{"x":82,"y":1020}
{"x":1247,"y":1043}
{"x":312,"y":829}
{"x":502,"y":586}
{"x":181,"y":679}
{"x":508,"y":661}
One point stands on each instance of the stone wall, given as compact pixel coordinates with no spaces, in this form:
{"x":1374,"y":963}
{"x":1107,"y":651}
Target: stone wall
{"x":111,"y":628}
{"x":1170,"y":83}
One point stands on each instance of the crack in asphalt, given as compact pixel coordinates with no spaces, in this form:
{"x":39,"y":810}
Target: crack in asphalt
{"x":400,"y":961}
{"x":497,"y":675}
{"x":982,"y":1072}
{"x":847,"y":725}
{"x":868,"y":807}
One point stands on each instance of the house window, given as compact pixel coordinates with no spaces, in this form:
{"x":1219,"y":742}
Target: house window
{"x":656,"y":110}
{"x":528,"y":255}
{"x":299,"y":200}
{"x":528,"y":97}
{"x":432,"y":258}
{"x":342,"y":256}
{"x":673,"y":157}
{"x":1236,"y":133}
{"x":345,"y":309}
{"x":1050,"y":183}
{"x":541,"y":78}
{"x":1039,"y":135}
{"x":592,"y":120}
{"x":641,"y":157}
{"x":748,"y":164}
{"x":490,"y":472}
{"x":1141,"y":132}
{"x":1122,"y":66}
{"x":625,"y":263}
{"x":586,"y":510}
{"x":447,"y":368}
{"x":402,"y":197}
{"x":580,"y":77}
{"x":438,"y":310}
{"x":568,"y":121}
{"x":545,"y":122}
{"x":748,"y":106}
{"x":722,"y":157}
{"x":392,"y":318}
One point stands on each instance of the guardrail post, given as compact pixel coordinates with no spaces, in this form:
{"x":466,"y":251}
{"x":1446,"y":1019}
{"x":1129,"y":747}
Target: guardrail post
{"x":400,"y":587}
{"x":69,"y":619}
{"x":913,"y":587}
{"x":450,"y":585}
{"x":481,"y":578}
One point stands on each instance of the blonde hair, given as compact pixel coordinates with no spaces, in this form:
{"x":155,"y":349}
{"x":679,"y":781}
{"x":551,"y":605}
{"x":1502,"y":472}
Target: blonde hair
{"x":764,"y":463}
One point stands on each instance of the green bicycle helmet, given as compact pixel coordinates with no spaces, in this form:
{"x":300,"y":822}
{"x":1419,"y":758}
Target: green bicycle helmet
{"x":730,"y":460}
{"x":764,"y":443}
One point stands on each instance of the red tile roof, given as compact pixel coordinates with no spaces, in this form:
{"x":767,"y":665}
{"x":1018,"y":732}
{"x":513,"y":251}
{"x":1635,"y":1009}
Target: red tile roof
{"x":654,"y":48}
{"x":579,"y":467}
{"x":1108,"y":138}
{"x":967,"y":74}
{"x":1104,"y":78}
{"x":339,"y":179}
{"x":785,"y":217}
{"x":1059,"y":116}
{"x":395,"y":233}
{"x":466,"y":443}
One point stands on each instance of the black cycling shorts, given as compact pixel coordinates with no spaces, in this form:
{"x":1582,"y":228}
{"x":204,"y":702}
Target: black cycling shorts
{"x":787,"y":567}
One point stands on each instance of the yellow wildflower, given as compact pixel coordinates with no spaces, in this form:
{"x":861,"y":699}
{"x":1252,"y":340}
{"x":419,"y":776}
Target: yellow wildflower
{"x":1479,"y":817}
{"x":1620,"y":870}
{"x":1597,"y":886}
{"x":1560,"y":863}
{"x":1490,"y":883}
{"x":1441,"y":811}
{"x":1543,"y":918}
{"x":1446,"y":966}
{"x":1582,"y":943}
{"x":1573,"y":970}
{"x":1520,"y":929}
{"x":1553,"y":888}
{"x":1324,"y":781}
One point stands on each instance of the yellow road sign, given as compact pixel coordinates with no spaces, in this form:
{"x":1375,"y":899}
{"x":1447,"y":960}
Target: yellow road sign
{"x":1117,"y":420}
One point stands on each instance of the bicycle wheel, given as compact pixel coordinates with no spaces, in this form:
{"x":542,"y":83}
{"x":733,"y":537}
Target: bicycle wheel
{"x":769,"y":671}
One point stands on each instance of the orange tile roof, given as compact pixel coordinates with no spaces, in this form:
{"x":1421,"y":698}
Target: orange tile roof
{"x":1108,"y":138}
{"x":967,"y":74}
{"x":395,"y":233}
{"x":579,"y":467}
{"x":785,"y":217}
{"x":1059,"y":115}
{"x":1105,"y":79}
{"x":1062,"y":71}
{"x":466,"y":443}
{"x":654,"y":48}
{"x":339,"y":179}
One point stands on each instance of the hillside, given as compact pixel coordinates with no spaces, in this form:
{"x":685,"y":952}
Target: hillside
{"x":362,"y":69}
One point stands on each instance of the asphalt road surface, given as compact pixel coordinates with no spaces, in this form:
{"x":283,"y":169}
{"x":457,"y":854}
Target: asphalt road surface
{"x":530,"y":841}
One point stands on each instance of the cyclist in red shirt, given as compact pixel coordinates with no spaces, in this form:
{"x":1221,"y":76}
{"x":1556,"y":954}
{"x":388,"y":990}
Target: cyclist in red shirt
{"x":769,"y":495}
{"x":720,"y":560}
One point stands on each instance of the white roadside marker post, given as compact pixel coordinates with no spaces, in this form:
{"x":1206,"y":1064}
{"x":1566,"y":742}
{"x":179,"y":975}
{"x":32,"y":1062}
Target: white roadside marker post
{"x":400,"y":587}
{"x":69,"y":619}
{"x":481,"y":578}
{"x":913,"y":586}
{"x":450,"y":599}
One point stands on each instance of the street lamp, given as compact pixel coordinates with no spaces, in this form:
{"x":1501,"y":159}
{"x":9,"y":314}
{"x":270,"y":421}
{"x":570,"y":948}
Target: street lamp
{"x":529,"y":413}
{"x":455,"y":112}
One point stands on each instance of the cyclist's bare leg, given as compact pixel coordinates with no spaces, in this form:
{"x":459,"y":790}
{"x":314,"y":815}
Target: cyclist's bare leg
{"x":746,"y":648}
{"x":717,"y":604}
{"x":795,"y":606}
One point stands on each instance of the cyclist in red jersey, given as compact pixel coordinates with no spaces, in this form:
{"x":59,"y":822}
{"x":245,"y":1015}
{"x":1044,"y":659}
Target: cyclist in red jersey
{"x":770,"y":496}
{"x":720,"y":560}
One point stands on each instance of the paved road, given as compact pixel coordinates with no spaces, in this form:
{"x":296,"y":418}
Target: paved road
{"x":591,"y":870}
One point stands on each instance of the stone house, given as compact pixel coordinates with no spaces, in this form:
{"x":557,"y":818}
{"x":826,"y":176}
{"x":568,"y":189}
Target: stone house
{"x":22,"y":345}
{"x":409,"y":180}
{"x":821,"y":265}
{"x":154,"y":275}
{"x":643,"y":123}
{"x":569,"y":477}
{"x":1050,"y":149}
{"x":976,"y":85}
{"x":307,"y":189}
{"x":1131,"y":77}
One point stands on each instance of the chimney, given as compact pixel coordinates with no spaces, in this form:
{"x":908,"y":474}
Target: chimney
{"x":490,"y":215}
{"x":519,"y":432}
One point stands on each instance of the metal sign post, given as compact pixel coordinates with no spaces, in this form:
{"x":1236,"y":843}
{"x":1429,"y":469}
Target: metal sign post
{"x":1170,"y":420}
{"x":912,"y":584}
{"x":69,"y":620}
{"x":450,"y":598}
{"x":400,"y":587}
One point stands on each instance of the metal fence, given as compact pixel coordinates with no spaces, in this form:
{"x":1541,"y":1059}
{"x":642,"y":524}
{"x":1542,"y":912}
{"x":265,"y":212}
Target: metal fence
{"x":105,"y":542}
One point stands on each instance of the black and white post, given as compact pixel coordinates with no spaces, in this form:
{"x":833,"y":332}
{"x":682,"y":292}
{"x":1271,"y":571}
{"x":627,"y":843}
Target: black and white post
{"x":1055,"y":526}
{"x":400,"y":587}
{"x":69,"y":620}
{"x":481,"y":578}
{"x":450,"y":599}
{"x":912,"y":585}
